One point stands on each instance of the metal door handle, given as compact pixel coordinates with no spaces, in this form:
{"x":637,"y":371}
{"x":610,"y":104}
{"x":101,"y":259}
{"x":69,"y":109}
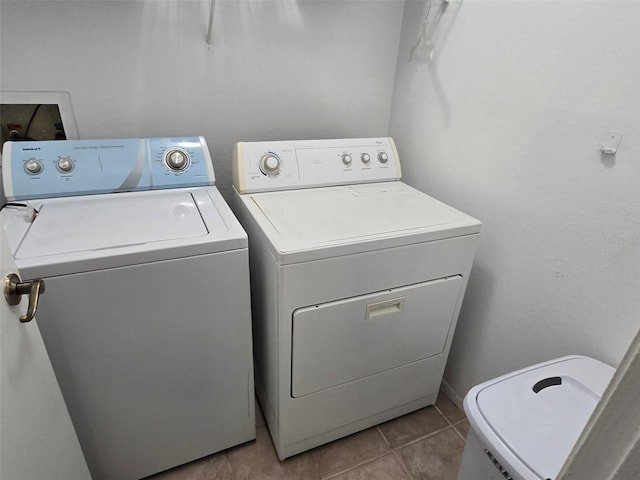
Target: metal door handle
{"x":13,"y":289}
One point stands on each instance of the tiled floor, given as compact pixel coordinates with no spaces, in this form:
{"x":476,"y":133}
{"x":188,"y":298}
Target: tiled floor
{"x":423,"y":445}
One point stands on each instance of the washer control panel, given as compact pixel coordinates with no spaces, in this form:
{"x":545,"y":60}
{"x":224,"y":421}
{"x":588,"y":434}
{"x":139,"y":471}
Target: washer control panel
{"x":59,"y":168}
{"x":286,"y":165}
{"x":177,"y":159}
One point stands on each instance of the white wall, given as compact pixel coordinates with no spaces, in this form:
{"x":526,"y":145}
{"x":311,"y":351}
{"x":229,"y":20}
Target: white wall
{"x":504,"y":123}
{"x":280,"y":69}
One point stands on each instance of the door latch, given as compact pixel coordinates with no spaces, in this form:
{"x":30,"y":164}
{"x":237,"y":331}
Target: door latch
{"x":13,"y":289}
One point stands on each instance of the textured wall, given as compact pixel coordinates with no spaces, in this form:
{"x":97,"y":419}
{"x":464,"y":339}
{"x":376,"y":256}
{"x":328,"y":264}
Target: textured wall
{"x":281,"y":69}
{"x":504,"y":123}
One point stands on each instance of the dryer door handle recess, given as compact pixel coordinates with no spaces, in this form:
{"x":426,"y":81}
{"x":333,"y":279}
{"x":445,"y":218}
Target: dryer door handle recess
{"x":14,"y":289}
{"x":385,"y":307}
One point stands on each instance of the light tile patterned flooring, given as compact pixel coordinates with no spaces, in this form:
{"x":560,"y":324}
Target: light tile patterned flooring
{"x":423,"y":445}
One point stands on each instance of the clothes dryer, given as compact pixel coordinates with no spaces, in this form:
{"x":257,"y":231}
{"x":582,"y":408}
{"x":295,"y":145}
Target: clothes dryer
{"x":357,"y":281}
{"x":146,"y":316}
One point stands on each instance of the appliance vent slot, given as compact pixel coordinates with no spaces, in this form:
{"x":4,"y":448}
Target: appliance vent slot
{"x":497,"y":464}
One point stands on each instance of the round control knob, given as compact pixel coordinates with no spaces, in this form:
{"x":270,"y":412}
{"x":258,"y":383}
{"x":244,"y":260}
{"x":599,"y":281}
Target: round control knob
{"x":383,"y":157}
{"x":270,"y":164}
{"x":346,"y":159}
{"x":33,"y":166}
{"x":365,"y":158}
{"x":176,"y":160}
{"x":64,"y":164}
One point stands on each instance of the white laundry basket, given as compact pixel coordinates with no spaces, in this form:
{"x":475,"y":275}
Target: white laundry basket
{"x":525,"y":423}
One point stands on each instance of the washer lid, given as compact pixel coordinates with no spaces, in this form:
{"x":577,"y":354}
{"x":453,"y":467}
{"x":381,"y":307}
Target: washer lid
{"x":315,"y":219}
{"x":115,"y":222}
{"x":86,"y":233}
{"x":539,"y":413}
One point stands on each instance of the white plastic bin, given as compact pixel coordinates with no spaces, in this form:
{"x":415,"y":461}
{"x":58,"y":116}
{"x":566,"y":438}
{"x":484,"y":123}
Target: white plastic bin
{"x":525,"y":423}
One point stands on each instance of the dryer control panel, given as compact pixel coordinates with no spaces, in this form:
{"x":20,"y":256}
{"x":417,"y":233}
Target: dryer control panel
{"x":286,"y":165}
{"x":61,"y":168}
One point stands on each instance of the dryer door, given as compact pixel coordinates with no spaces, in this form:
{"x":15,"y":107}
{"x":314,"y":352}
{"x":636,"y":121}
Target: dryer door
{"x":345,"y":340}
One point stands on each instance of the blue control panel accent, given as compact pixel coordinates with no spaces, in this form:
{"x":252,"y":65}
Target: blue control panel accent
{"x":59,"y":168}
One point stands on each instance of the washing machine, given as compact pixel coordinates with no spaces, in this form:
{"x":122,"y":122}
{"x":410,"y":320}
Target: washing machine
{"x":146,"y":314}
{"x":357,"y":280}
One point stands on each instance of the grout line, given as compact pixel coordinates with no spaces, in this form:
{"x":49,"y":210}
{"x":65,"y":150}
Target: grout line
{"x":395,"y":451}
{"x":315,"y":464}
{"x":392,"y":450}
{"x":382,"y":435}
{"x":364,"y":462}
{"x":459,"y":434}
{"x":416,"y":440}
{"x":229,"y":469}
{"x":452,"y":424}
{"x":443,"y":415}
{"x":402,"y":465}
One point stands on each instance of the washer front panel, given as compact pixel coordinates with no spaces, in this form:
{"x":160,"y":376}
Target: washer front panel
{"x":154,"y":361}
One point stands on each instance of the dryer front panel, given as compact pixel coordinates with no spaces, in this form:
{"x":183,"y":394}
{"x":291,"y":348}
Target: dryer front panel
{"x":345,"y":340}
